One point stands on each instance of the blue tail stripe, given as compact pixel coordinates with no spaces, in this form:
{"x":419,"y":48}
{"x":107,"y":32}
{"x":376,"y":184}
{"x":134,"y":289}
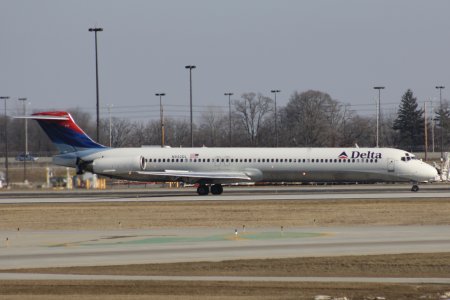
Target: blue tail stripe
{"x":66,"y":139}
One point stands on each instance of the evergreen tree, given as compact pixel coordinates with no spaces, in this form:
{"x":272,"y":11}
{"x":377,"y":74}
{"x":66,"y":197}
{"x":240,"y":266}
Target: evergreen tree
{"x":410,"y":122}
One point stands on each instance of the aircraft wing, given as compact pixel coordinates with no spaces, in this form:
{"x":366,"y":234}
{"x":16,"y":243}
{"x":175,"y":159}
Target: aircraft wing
{"x":192,"y":176}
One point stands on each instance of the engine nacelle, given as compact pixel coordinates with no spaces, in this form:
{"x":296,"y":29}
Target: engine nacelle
{"x":118,"y":165}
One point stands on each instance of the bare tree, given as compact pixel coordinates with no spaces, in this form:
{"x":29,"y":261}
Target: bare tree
{"x":178,"y":132}
{"x":252,"y":111}
{"x":122,"y":132}
{"x":212,"y":128}
{"x":313,"y":119}
{"x":359,"y":130}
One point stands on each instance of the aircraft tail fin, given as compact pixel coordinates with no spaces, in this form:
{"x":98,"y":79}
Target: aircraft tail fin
{"x":65,"y":134}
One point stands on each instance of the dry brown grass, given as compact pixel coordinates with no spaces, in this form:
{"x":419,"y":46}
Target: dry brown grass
{"x":225,"y":214}
{"x":231,"y":214}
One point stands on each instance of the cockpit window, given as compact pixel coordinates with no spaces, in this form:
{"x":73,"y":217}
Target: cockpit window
{"x":408,"y":157}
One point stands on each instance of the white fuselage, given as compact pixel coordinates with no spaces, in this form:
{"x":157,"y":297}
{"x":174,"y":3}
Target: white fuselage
{"x":259,"y":164}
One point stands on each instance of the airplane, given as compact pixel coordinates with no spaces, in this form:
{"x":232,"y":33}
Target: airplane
{"x":210,"y":168}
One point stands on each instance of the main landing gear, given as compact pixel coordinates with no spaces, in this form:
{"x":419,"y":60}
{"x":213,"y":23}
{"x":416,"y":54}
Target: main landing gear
{"x":203,"y":189}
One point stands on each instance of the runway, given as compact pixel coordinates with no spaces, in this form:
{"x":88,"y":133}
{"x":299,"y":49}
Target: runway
{"x":330,"y":192}
{"x":71,"y":277}
{"x":26,"y":249}
{"x":41,"y":249}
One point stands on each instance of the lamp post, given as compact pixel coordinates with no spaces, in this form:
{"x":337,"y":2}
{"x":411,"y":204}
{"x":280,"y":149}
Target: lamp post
{"x":190,"y":67}
{"x":161,"y":117}
{"x":95,"y":30}
{"x":440,"y":87}
{"x":6,"y":143}
{"x":26,"y":139}
{"x":229,"y":115}
{"x":426,"y":127}
{"x":379,"y":88}
{"x":110,"y":124}
{"x":276,"y":117}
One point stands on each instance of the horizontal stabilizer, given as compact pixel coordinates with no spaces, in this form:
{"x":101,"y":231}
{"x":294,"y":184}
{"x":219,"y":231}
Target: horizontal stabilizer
{"x":60,"y":118}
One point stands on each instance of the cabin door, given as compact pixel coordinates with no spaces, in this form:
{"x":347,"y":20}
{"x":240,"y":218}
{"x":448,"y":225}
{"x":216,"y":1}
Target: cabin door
{"x":391,"y":165}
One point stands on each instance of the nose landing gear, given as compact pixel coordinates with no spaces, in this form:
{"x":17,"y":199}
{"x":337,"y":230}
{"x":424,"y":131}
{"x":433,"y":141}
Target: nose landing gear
{"x":415,"y":188}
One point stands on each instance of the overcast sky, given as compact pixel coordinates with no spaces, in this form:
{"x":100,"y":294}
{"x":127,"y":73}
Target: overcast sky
{"x":343,"y":48}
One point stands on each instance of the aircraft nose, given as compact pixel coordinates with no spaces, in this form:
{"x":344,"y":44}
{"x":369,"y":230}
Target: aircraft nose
{"x":430,"y":173}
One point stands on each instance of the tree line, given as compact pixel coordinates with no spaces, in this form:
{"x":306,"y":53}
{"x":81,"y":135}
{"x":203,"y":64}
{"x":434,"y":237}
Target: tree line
{"x":310,"y":119}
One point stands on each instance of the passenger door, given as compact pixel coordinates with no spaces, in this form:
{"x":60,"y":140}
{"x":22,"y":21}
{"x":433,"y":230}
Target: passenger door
{"x":391,"y":165}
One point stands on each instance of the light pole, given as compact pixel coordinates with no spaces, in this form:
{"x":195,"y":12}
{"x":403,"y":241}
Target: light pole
{"x":190,"y":67}
{"x":229,"y":115}
{"x":161,"y":117}
{"x":6,"y":144}
{"x":110,"y":124}
{"x":440,"y":87}
{"x":379,"y":88}
{"x":95,"y":30}
{"x":426,"y":127}
{"x":276,"y":117}
{"x":26,"y":138}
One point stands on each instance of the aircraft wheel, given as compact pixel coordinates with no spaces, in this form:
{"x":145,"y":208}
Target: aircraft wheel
{"x":217,"y":189}
{"x":415,"y":188}
{"x":203,"y":190}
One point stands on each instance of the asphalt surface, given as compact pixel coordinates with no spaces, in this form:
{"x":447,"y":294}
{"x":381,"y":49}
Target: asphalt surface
{"x":31,"y":276}
{"x":232,"y":193}
{"x":62,"y":248}
{"x":41,"y":249}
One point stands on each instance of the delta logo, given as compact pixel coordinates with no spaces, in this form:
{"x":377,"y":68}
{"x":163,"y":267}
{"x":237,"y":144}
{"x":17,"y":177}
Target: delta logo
{"x":358,"y":154}
{"x":343,"y":155}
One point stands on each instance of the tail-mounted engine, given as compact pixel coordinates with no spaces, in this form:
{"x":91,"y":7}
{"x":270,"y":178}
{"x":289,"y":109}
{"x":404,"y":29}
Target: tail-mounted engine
{"x":118,"y":165}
